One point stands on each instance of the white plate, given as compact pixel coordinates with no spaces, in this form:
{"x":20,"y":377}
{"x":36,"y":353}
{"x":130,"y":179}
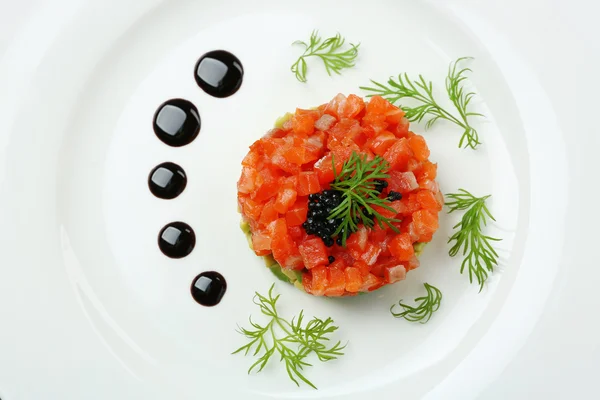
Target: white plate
{"x":91,"y":308}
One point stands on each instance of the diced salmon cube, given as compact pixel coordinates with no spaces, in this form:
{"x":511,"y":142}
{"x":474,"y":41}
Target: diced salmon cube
{"x":303,"y":124}
{"x":371,"y":282}
{"x":296,"y":214}
{"x":399,"y":155}
{"x":402,"y":182}
{"x":345,"y":107}
{"x":261,"y":243}
{"x":246,"y":184}
{"x":401,"y":247}
{"x":425,"y":223}
{"x":308,"y":183}
{"x":336,"y":282}
{"x":427,"y":200}
{"x":324,"y":167}
{"x":268,"y":214}
{"x":362,"y":267}
{"x":320,"y":280}
{"x":426,"y":171}
{"x":382,"y":142}
{"x":325,"y":122}
{"x":358,"y":240}
{"x":313,"y":252}
{"x":369,"y":256}
{"x":395,"y":273}
{"x":353,"y":279}
{"x":419,"y":147}
{"x":250,"y":208}
{"x":285,"y":199}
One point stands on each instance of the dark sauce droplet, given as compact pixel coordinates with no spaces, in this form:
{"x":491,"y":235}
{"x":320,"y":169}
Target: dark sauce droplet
{"x":177,"y":122}
{"x":167,"y":180}
{"x":208,"y":288}
{"x":219,"y":73}
{"x":176,"y":240}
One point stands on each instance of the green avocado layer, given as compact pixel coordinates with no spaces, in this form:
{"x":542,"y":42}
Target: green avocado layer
{"x":293,"y":277}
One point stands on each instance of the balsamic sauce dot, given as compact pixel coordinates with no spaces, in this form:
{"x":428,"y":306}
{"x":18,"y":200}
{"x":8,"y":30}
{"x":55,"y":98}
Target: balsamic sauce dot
{"x":167,"y":180}
{"x":219,"y":73}
{"x":208,"y":288}
{"x":176,"y":240}
{"x":177,"y":122}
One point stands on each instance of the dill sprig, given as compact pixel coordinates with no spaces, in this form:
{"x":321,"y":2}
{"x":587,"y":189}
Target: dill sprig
{"x":427,"y":108}
{"x":461,"y":98}
{"x":292,"y":341}
{"x":425,"y":308}
{"x":480,"y":256}
{"x":329,"y":51}
{"x":357,"y":184}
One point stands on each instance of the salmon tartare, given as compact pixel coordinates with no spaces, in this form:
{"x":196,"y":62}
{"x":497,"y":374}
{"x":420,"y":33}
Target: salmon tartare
{"x":286,"y":198}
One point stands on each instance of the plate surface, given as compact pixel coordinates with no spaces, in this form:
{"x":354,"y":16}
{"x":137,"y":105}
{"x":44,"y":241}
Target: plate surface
{"x":91,"y":308}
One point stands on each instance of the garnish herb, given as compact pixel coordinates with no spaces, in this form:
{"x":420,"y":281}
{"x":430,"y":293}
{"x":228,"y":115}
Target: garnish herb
{"x":461,"y":98}
{"x":480,"y":256}
{"x":425,"y":308}
{"x":427,"y":107}
{"x":292,"y":341}
{"x":330,"y":51}
{"x":360,"y":193}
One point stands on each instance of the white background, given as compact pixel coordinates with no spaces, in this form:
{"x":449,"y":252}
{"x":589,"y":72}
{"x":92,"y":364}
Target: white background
{"x":561,"y":357}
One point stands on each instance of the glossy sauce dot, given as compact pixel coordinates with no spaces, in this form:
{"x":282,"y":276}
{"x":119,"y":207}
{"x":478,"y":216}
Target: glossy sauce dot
{"x":177,"y":122}
{"x":167,"y":180}
{"x":219,"y":73}
{"x":176,"y":240}
{"x":208,"y":288}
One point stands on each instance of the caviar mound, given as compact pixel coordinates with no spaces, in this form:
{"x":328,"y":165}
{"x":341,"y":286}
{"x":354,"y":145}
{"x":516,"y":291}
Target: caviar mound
{"x":284,"y":197}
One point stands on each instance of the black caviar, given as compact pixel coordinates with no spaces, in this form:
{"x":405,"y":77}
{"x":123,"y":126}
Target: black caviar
{"x":393,"y":196}
{"x":380,"y":185}
{"x":320,"y":206}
